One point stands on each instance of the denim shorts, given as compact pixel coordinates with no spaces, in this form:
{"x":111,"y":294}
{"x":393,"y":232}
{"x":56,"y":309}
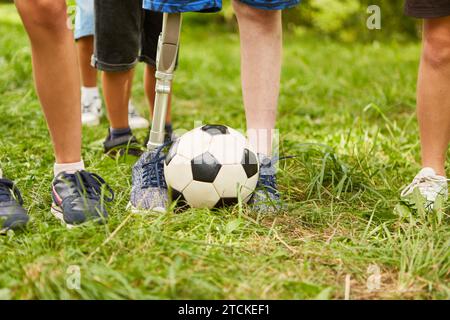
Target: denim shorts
{"x":172,"y":6}
{"x":84,"y":19}
{"x":125,"y":34}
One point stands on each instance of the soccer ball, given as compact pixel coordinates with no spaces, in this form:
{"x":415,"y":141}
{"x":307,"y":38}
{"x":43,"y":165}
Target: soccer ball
{"x":211,"y":166}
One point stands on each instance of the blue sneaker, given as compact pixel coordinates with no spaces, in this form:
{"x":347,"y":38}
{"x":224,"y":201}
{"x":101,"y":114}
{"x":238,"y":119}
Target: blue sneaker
{"x":79,"y":197}
{"x":266,"y":198}
{"x":149,"y":189}
{"x":12,"y":214}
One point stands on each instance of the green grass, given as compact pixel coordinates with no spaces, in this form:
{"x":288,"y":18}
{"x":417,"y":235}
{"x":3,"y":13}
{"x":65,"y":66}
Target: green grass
{"x":346,"y":112}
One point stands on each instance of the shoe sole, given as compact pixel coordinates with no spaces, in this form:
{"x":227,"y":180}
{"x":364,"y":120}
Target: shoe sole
{"x":16,"y":226}
{"x":135,"y":210}
{"x":58,"y":214}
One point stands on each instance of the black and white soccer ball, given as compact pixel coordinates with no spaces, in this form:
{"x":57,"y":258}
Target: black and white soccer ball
{"x":211,"y":166}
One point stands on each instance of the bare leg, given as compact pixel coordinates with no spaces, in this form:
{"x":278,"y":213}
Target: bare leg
{"x":433,"y":94}
{"x":85,"y":47}
{"x":117,"y":90}
{"x":149,"y":85}
{"x":261,"y":48}
{"x":56,"y":73}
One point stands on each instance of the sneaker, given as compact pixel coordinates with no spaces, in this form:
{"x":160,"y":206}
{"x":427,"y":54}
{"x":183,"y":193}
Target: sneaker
{"x":12,"y":214}
{"x":91,"y":111}
{"x":125,"y":144}
{"x":430,"y":186}
{"x":135,"y":120}
{"x":149,"y":189}
{"x":79,"y":197}
{"x":266,"y":198}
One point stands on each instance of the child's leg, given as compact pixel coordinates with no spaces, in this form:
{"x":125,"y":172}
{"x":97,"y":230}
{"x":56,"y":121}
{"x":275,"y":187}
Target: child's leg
{"x":84,"y":35}
{"x":261,"y":47}
{"x":433,"y":94}
{"x":118,"y":26}
{"x":91,"y":103}
{"x":117,"y":91}
{"x":56,"y":73}
{"x":85,"y":48}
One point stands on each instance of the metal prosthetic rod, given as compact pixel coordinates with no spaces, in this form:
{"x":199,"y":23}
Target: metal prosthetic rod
{"x":165,"y":65}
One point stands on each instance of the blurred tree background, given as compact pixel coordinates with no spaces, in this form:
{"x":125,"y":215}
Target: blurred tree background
{"x":346,"y":19}
{"x":343,"y":20}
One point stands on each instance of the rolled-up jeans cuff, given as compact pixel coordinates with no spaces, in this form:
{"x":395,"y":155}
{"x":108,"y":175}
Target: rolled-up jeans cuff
{"x":110,"y":67}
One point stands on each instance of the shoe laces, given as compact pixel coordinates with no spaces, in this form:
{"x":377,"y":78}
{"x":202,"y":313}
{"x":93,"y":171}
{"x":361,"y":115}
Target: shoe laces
{"x":424,"y":183}
{"x":153,"y":170}
{"x":9,"y":191}
{"x":267,"y":178}
{"x":89,"y":184}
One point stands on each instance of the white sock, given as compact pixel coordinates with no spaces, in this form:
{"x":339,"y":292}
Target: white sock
{"x":88,"y":94}
{"x":1,"y":173}
{"x":68,"y":167}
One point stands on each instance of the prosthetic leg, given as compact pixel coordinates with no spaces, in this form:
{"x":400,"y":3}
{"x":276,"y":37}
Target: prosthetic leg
{"x":165,"y":65}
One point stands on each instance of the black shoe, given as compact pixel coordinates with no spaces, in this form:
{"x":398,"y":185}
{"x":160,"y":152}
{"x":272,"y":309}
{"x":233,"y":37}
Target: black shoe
{"x":125,"y":144}
{"x":80,"y":197}
{"x":12,"y":214}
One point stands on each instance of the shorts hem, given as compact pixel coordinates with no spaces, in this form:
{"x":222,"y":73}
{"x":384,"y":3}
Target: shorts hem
{"x":81,"y":36}
{"x":113,"y":67}
{"x":196,"y":6}
{"x":147,"y":60}
{"x":268,"y":6}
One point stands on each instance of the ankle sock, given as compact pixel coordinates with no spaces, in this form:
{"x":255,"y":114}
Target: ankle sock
{"x":68,"y":167}
{"x":117,"y":133}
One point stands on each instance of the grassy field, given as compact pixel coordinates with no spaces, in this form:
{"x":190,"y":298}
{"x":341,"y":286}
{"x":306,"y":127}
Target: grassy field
{"x":346,"y":113}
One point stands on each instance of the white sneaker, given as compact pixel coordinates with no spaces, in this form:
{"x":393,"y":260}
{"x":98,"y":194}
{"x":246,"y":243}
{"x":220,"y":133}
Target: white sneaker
{"x":430,"y":186}
{"x":135,"y":120}
{"x":91,"y":111}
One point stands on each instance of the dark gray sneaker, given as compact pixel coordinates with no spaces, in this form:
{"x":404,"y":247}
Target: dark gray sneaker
{"x":126,"y":144}
{"x":266,"y":198}
{"x":149,"y":189}
{"x":12,"y":214}
{"x":80,"y":197}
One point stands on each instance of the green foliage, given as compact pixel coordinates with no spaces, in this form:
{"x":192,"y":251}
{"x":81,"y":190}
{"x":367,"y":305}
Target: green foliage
{"x":346,"y":19}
